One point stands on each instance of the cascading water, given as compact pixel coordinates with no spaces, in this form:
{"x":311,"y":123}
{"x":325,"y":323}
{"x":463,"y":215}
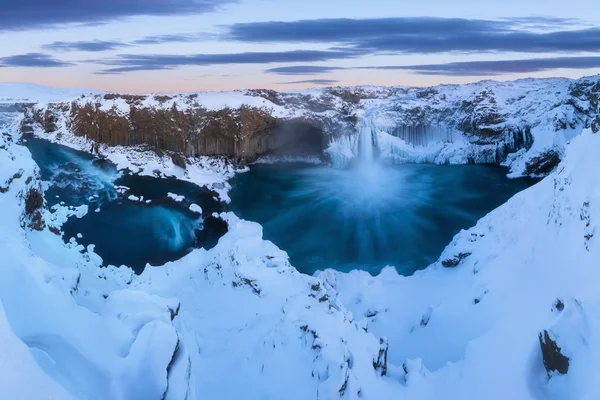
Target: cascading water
{"x":365,"y":141}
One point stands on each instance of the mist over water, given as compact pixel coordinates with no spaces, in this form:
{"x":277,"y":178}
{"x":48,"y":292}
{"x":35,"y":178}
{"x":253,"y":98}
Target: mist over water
{"x":364,"y":217}
{"x":370,"y":215}
{"x":123,"y":231}
{"x":73,"y":176}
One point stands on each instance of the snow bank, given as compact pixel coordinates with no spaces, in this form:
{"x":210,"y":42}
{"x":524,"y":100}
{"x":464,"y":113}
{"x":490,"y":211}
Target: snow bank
{"x":475,"y":316}
{"x":467,"y":327}
{"x":176,"y":331}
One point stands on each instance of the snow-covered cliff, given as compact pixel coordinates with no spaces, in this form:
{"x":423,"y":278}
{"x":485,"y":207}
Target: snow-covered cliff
{"x":523,"y":124}
{"x":509,"y":310}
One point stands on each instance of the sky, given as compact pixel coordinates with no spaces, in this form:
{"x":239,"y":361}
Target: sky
{"x":143,"y":46}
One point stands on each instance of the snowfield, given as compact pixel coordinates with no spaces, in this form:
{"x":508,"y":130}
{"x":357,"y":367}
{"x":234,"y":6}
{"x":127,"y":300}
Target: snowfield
{"x":239,"y":322}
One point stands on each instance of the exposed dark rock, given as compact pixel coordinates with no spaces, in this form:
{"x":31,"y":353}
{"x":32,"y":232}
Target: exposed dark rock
{"x":103,"y":164}
{"x":344,"y":386}
{"x":353,"y":96}
{"x":543,"y":164}
{"x":426,"y":93}
{"x":455,"y":261}
{"x":482,"y":115}
{"x":176,"y":355}
{"x":243,"y":281}
{"x":242,"y":132}
{"x":380,"y":365}
{"x":47,"y":120}
{"x":271,"y":95}
{"x":36,"y":221}
{"x":175,"y":312}
{"x":33,"y":201}
{"x":559,"y":305}
{"x":596,"y":124}
{"x":178,"y":160}
{"x":554,"y":360}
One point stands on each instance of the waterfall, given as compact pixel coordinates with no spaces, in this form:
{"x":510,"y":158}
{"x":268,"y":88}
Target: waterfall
{"x":365,"y":141}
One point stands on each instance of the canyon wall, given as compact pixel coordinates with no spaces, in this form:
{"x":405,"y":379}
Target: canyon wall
{"x":522,"y":124}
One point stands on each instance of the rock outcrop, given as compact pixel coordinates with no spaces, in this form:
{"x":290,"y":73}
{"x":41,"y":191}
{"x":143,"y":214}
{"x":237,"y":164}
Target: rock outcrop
{"x":513,"y":123}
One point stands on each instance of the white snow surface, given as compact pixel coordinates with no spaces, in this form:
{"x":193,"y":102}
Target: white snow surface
{"x":475,"y":327}
{"x":195,"y":208}
{"x":237,"y":313}
{"x":239,"y":321}
{"x":28,"y":92}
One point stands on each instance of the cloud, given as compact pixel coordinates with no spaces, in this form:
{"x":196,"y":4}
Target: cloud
{"x":91,"y":46}
{"x":27,"y":14}
{"x":39,"y":60}
{"x":176,"y":38}
{"x":136,"y":62}
{"x":301,"y":70}
{"x":423,"y":35}
{"x":328,"y":82}
{"x":491,"y":68}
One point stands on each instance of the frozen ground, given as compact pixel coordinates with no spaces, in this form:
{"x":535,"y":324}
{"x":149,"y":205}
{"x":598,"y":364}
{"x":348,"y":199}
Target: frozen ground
{"x":239,"y":322}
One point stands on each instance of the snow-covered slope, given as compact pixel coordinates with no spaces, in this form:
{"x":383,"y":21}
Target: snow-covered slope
{"x":233,"y":322}
{"x":473,"y":319}
{"x":509,"y":310}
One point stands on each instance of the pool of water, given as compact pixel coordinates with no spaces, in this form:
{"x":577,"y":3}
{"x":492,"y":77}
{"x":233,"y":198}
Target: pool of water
{"x":124,"y":231}
{"x":365,"y":217}
{"x":370,"y":216}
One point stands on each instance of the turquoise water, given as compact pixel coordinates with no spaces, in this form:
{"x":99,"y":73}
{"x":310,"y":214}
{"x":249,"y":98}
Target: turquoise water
{"x":370,"y":217}
{"x":359,"y":218}
{"x":126,"y":232}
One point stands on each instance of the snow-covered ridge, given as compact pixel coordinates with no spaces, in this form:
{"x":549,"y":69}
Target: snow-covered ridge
{"x":523,"y":124}
{"x":474,"y":325}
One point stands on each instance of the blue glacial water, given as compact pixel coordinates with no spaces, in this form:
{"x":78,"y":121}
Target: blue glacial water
{"x":368,"y":216}
{"x":125,"y":232}
{"x":364,"y":217}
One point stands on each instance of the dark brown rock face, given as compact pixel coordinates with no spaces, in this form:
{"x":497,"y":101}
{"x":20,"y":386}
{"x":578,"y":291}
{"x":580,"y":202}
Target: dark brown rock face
{"x":455,"y":261}
{"x":47,"y":120}
{"x":240,"y":134}
{"x":34,"y":201}
{"x":178,"y":160}
{"x":245,"y":132}
{"x":553,"y":358}
{"x":543,"y":164}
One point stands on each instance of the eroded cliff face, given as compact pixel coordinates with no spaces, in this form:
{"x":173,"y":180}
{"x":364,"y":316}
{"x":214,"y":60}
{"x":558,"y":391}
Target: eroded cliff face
{"x":514,"y":123}
{"x":243,"y":132}
{"x":241,"y":125}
